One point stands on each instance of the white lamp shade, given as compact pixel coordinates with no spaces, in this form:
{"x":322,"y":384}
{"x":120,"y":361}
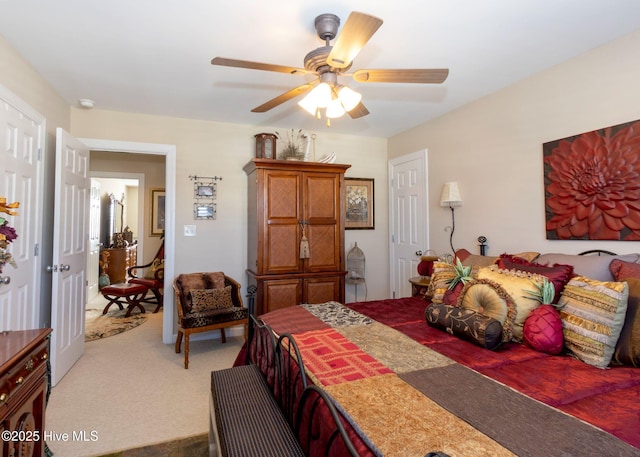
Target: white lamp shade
{"x":349,"y":98}
{"x":450,"y":195}
{"x":335,"y":109}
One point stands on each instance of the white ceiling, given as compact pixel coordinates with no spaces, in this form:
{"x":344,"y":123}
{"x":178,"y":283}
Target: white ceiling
{"x":153,"y":56}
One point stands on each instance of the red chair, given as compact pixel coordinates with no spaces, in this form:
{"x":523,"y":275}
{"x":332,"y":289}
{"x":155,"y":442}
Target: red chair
{"x":152,"y":276}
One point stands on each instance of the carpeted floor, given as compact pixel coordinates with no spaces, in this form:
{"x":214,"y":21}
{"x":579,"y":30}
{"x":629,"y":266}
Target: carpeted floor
{"x":194,"y":446}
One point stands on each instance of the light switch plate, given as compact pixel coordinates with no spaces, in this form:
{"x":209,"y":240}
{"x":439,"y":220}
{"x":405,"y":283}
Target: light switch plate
{"x":189,"y":230}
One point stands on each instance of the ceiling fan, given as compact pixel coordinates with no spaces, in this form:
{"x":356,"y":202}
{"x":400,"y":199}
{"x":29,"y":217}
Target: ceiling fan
{"x":328,"y":62}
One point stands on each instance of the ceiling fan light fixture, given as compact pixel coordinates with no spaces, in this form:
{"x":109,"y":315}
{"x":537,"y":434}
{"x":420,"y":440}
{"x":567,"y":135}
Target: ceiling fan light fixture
{"x":348,"y":97}
{"x":335,"y":109}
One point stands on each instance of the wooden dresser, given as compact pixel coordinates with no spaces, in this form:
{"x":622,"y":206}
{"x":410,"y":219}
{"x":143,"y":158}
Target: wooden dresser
{"x":24,"y":355}
{"x":286,"y":200}
{"x":120,"y":259}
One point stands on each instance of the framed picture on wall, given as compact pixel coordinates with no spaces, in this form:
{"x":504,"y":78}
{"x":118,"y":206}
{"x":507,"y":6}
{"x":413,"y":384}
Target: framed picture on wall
{"x":359,"y":204}
{"x":157,"y":212}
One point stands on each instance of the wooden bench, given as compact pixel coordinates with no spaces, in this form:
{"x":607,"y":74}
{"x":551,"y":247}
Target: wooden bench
{"x":267,"y":408}
{"x":131,"y":293}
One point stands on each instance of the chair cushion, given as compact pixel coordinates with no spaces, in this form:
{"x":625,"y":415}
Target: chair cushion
{"x":214,"y":316}
{"x":209,"y":299}
{"x":155,"y":266}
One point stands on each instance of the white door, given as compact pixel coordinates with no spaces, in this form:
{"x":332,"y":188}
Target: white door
{"x":408,"y":217}
{"x":70,"y":235}
{"x":93,"y":253}
{"x":21,"y":143}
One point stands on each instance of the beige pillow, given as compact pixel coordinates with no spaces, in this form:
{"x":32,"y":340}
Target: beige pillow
{"x":210,"y":299}
{"x":516,"y":284}
{"x":593,"y":314}
{"x":490,"y":299}
{"x":442,"y":275}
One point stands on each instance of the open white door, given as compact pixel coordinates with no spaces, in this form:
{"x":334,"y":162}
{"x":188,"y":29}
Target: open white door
{"x":72,"y":196}
{"x":21,"y":177}
{"x":408,"y":217}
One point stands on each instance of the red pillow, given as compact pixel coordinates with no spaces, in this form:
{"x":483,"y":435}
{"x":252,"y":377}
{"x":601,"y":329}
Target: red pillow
{"x":543,"y":330}
{"x":558,"y":274}
{"x":621,"y":270}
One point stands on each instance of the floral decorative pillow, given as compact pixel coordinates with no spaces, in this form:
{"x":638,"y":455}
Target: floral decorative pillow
{"x":210,"y":299}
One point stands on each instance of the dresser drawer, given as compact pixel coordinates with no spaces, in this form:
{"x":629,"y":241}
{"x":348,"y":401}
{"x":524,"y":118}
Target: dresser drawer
{"x":15,"y":383}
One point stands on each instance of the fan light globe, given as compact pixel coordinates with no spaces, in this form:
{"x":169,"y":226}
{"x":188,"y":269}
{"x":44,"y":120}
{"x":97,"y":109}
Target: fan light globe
{"x":335,"y":109}
{"x":349,"y":98}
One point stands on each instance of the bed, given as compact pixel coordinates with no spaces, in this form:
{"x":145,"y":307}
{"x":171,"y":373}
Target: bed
{"x":405,"y":388}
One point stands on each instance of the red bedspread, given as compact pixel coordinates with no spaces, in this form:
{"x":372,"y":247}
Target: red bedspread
{"x":349,"y":357}
{"x":608,"y":399}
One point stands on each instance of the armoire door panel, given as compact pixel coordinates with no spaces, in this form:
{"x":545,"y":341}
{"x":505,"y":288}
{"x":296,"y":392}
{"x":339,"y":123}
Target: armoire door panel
{"x":281,"y":293}
{"x":323,"y":247}
{"x":282,"y":196}
{"x":321,"y":197}
{"x":322,"y":290}
{"x":282,"y":246}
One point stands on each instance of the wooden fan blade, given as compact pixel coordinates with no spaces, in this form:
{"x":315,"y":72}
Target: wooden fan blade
{"x":359,"y":111}
{"x":419,"y":76}
{"x":257,"y":66}
{"x":358,"y":29}
{"x":280,"y":99}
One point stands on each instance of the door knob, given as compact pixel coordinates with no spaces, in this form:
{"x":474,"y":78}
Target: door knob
{"x":64,"y":267}
{"x":52,"y":269}
{"x":5,"y":279}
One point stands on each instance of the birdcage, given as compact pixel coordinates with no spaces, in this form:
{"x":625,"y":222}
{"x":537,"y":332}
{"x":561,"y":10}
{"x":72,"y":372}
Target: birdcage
{"x":355,"y":269}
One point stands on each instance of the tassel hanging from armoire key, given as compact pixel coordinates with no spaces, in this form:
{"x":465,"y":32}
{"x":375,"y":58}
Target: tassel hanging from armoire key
{"x":304,"y":243}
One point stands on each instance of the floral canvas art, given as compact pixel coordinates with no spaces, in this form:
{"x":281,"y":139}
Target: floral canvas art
{"x":592,"y":185}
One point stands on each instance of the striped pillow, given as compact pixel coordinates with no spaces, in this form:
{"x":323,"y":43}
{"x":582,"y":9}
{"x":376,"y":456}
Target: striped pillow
{"x":593,"y":314}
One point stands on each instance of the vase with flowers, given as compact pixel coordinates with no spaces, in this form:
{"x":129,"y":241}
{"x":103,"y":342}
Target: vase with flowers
{"x":294,"y":145}
{"x":7,"y":233}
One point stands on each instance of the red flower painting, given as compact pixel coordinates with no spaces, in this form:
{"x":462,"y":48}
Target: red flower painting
{"x":592,"y":185}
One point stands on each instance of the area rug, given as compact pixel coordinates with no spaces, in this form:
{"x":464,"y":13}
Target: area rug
{"x":98,"y":325}
{"x":193,"y":446}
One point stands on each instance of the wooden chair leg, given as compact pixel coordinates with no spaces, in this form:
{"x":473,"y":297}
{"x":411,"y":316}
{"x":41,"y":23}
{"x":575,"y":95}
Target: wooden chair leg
{"x":223,"y":338}
{"x":178,"y":341}
{"x":186,"y":351}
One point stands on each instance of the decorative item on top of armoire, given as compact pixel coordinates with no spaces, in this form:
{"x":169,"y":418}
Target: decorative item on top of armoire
{"x":265,"y":145}
{"x":283,"y":197}
{"x":295,"y":146}
{"x":591,"y":181}
{"x":355,"y":270}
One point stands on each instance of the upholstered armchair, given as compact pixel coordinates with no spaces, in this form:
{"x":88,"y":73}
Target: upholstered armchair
{"x":205,"y":302}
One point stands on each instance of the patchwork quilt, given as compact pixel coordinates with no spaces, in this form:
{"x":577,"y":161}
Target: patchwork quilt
{"x":407,"y":389}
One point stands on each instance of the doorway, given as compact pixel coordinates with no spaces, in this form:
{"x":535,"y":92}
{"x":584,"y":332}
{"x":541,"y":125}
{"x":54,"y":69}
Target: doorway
{"x":167,"y":151}
{"x":128,"y":190}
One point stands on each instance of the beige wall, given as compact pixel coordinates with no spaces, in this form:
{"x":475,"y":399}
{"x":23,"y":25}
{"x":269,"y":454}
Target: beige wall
{"x":219,"y":149}
{"x":493,"y":148}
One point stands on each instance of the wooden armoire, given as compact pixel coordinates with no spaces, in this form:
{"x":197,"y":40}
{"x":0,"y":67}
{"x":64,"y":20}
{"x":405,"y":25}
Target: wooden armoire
{"x":289,"y":200}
